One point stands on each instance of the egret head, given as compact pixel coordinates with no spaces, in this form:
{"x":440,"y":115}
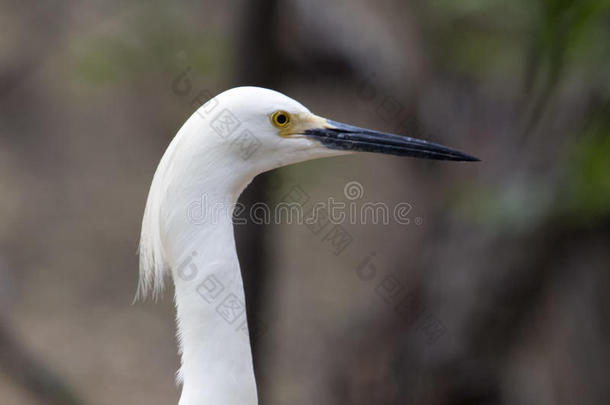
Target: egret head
{"x":263,"y":129}
{"x":229,"y":140}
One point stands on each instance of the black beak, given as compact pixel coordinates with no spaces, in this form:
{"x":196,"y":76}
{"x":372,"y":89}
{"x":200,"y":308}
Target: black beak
{"x":348,"y":137}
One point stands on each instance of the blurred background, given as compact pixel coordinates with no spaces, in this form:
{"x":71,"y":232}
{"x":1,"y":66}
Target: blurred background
{"x":495,"y":292}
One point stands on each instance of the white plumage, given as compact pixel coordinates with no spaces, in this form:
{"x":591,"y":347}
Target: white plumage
{"x":217,"y":152}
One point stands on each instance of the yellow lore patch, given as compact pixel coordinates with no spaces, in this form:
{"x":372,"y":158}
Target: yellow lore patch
{"x":297,"y":124}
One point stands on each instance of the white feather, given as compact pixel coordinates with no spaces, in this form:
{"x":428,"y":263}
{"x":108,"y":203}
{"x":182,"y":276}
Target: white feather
{"x":199,"y":163}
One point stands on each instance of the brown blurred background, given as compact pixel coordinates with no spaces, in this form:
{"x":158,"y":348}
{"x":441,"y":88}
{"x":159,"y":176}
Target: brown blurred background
{"x":496,"y":292}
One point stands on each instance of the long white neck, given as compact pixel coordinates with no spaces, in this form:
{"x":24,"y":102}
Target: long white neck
{"x":188,"y":228}
{"x":211,"y":313}
{"x":215,"y":347}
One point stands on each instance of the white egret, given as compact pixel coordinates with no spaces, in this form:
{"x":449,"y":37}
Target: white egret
{"x":233,"y":137}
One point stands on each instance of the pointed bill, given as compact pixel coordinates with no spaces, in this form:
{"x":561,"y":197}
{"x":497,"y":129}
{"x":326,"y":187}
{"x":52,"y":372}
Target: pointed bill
{"x":336,"y":135}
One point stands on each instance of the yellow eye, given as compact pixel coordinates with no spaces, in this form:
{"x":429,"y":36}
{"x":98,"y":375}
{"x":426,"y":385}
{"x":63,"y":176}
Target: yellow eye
{"x":280,"y":119}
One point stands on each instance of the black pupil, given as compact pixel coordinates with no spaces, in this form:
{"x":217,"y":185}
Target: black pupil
{"x":281,"y":119}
